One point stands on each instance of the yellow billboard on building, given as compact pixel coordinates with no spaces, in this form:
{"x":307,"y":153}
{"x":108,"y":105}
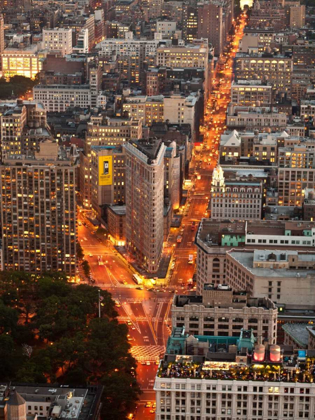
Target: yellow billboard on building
{"x":105,"y":170}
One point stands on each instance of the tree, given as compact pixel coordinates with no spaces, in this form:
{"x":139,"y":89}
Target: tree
{"x":50,"y":331}
{"x":86,"y":268}
{"x":80,"y":253}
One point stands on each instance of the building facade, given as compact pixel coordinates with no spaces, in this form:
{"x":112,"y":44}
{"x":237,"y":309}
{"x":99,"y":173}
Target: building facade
{"x":145,"y":201}
{"x":285,"y":277}
{"x":112,"y":191}
{"x":251,"y":93}
{"x":21,"y":62}
{"x":38,"y":213}
{"x":221,"y":312}
{"x":58,"y":40}
{"x":57,"y":98}
{"x":239,"y":199}
{"x":296,"y":172}
{"x":276,"y":70}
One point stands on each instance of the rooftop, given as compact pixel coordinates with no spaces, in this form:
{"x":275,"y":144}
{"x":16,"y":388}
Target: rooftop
{"x":298,"y":332}
{"x":253,"y":262}
{"x":149,"y":147}
{"x":234,"y":358}
{"x":217,"y":233}
{"x":81,"y":403}
{"x":235,"y":300}
{"x":63,"y":87}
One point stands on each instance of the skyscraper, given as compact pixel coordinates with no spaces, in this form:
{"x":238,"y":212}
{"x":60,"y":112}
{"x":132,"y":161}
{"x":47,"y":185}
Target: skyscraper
{"x":211,"y":25}
{"x":144,"y":201}
{"x":38,"y":212}
{"x":190,"y":22}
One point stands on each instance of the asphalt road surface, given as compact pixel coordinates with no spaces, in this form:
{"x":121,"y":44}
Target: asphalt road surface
{"x":147,"y":313}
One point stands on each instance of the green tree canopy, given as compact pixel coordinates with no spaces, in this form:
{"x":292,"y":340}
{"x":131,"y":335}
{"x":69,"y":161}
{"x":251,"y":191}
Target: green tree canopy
{"x":50,"y":332}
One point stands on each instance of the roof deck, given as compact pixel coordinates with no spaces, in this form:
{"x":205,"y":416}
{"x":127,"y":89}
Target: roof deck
{"x":291,"y":370}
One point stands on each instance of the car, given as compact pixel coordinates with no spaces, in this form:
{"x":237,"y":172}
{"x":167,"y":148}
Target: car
{"x":148,"y":404}
{"x":129,"y":323}
{"x":148,"y":363}
{"x":90,"y":255}
{"x":152,"y":411}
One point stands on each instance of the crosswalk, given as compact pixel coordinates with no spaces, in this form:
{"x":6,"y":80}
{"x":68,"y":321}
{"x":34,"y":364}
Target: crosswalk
{"x":147,"y":353}
{"x":127,"y":318}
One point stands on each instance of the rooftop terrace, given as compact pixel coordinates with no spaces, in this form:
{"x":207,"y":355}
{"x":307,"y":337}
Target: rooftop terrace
{"x":233,"y":358}
{"x":290,"y":371}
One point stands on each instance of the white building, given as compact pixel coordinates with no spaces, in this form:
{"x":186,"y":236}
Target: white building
{"x":179,"y":109}
{"x":57,"y":98}
{"x":182,"y":56}
{"x":251,"y":93}
{"x":129,"y":46}
{"x":287,"y":277}
{"x":145,"y":201}
{"x":58,"y":40}
{"x":261,"y":118}
{"x":166,"y":28}
{"x":82,"y":46}
{"x":226,"y":378}
{"x":239,"y":199}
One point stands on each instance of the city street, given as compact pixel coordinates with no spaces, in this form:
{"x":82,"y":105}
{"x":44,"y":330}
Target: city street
{"x":147,"y":312}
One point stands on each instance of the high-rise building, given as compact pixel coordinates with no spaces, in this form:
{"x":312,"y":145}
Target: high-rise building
{"x":112,"y":132}
{"x":82,"y":46}
{"x":145,"y":201}
{"x":95,"y":79}
{"x":38,"y":212}
{"x":172,"y":175}
{"x":297,"y":15}
{"x":190,"y":22}
{"x":211,"y":25}
{"x":296,"y":172}
{"x":58,"y":40}
{"x":108,"y":177}
{"x":22,"y":127}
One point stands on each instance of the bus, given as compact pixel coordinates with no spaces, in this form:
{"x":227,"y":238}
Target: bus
{"x":137,"y":279}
